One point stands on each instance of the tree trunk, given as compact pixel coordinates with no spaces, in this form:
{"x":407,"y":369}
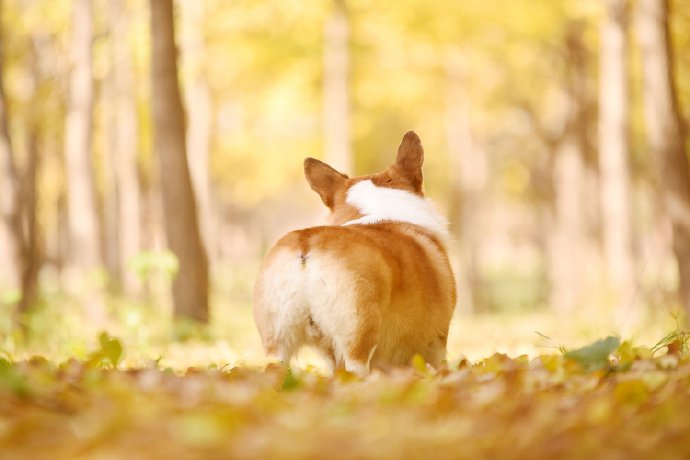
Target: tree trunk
{"x":568,"y":239}
{"x":11,"y":241}
{"x":82,"y":203}
{"x":336,"y":117}
{"x":84,"y":256}
{"x":124,"y":145}
{"x":190,"y":286}
{"x":32,"y":253}
{"x":665,"y":131}
{"x":198,"y":101}
{"x":110,"y":241}
{"x":468,"y":166}
{"x":614,"y":153}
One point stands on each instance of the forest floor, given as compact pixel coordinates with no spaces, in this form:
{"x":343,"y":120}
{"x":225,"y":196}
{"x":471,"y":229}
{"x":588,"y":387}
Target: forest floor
{"x":606,"y":400}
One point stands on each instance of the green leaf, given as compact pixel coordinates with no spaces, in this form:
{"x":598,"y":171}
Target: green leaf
{"x":11,"y":380}
{"x":595,"y":355}
{"x":291,"y":382}
{"x":111,"y":348}
{"x":626,"y":355}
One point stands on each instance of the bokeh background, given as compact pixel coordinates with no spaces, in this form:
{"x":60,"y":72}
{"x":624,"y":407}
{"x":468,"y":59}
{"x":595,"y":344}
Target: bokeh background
{"x":555,"y":138}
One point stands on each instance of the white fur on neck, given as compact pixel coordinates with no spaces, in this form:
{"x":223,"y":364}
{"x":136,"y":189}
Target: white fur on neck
{"x":381,"y":204}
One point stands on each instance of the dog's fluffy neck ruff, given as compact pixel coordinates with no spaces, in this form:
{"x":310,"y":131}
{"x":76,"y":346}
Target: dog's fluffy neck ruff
{"x":382,"y":204}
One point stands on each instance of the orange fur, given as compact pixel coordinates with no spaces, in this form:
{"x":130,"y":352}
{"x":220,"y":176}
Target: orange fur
{"x":365,"y":295}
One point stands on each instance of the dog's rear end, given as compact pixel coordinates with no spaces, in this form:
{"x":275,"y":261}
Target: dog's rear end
{"x":375,"y":288}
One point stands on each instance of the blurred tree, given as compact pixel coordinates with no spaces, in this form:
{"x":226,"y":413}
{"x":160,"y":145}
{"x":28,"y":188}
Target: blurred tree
{"x":190,"y":286}
{"x":198,"y":103}
{"x":665,"y":131}
{"x":105,"y":131}
{"x":614,"y":151}
{"x":123,"y":144}
{"x":496,"y":89}
{"x":469,"y":175}
{"x":568,"y":239}
{"x":11,"y":236}
{"x":107,"y":183}
{"x":336,"y":112}
{"x":84,"y":256}
{"x":32,"y":256}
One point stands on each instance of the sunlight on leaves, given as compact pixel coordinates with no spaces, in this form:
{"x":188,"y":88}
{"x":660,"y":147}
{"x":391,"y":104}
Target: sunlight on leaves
{"x":498,"y":407}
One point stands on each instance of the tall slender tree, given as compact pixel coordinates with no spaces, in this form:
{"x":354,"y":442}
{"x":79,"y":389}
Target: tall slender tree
{"x":11,"y":240}
{"x":614,"y":151}
{"x":567,"y":247}
{"x":198,"y":102}
{"x":469,"y":170}
{"x":32,"y":250}
{"x":190,"y":286}
{"x":665,"y":131}
{"x":123,"y":145}
{"x":336,"y":108}
{"x":84,"y":252}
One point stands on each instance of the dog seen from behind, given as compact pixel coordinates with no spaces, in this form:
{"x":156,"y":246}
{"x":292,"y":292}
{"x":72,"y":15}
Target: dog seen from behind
{"x":371,"y":289}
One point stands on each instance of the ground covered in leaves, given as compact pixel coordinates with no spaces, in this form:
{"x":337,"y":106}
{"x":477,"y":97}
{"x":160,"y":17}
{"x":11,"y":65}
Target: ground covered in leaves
{"x":609,"y":400}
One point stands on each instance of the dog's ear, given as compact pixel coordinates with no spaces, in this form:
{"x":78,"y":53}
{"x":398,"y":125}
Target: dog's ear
{"x":410,"y":159}
{"x":324,"y":180}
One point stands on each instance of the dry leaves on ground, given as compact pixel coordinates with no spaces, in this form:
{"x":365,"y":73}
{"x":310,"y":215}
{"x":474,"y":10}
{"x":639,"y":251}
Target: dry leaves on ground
{"x":608,"y":400}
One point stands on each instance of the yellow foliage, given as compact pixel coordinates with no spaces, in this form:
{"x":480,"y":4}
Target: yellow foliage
{"x":502,"y":407}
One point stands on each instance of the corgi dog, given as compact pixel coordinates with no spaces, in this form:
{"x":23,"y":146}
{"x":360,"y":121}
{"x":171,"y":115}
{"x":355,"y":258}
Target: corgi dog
{"x":371,"y":289}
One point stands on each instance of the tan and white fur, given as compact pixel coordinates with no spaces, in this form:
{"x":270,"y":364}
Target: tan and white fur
{"x":373,"y":288}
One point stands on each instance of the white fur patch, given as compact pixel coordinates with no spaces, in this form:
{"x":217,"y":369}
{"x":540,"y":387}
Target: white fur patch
{"x":382,"y":204}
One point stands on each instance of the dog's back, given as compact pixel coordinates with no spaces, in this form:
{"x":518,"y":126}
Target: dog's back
{"x":373,"y":290}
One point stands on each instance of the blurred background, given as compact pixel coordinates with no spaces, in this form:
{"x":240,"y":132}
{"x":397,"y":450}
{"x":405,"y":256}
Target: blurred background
{"x":141,"y":184}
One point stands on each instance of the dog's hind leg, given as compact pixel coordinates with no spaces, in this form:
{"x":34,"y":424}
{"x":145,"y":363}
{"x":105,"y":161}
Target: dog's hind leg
{"x":360,"y":350}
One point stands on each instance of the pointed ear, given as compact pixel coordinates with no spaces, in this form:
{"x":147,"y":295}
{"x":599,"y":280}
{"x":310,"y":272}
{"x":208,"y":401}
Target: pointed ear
{"x":323,"y":179}
{"x":410,"y":159}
